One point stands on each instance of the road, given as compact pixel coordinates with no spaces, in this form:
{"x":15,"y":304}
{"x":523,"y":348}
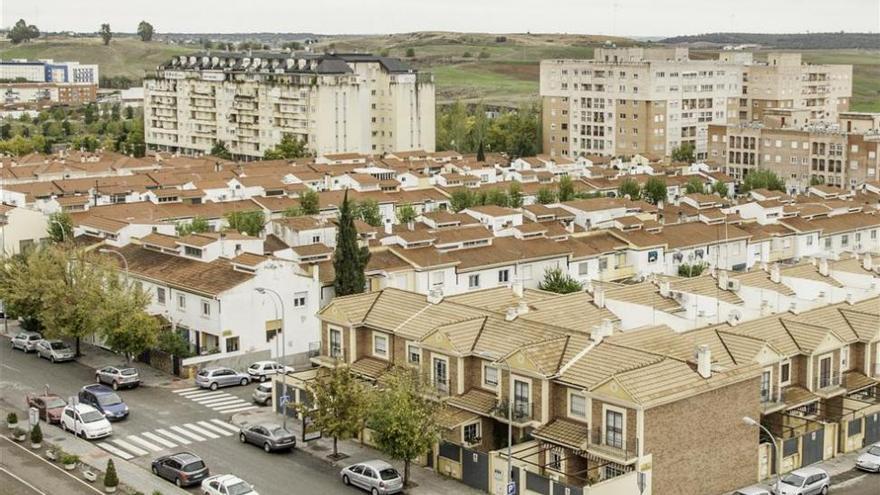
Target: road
{"x":23,"y":473}
{"x":163,"y":421}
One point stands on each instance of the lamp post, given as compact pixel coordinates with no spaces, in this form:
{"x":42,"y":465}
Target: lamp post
{"x":63,"y":230}
{"x":751,"y":422}
{"x":497,"y":359}
{"x":264,"y":290}
{"x":117,"y":253}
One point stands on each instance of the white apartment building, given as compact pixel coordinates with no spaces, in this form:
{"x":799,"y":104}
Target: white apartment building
{"x":335,"y":103}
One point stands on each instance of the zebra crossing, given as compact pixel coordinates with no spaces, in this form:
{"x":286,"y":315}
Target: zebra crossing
{"x":221,"y":402}
{"x":131,"y":446}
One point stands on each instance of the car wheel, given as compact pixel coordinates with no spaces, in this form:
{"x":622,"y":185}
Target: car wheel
{"x":263,"y":378}
{"x":242,"y":438}
{"x":244,"y":381}
{"x":97,"y":379}
{"x":154,"y":470}
{"x":115,"y":385}
{"x":267,"y":447}
{"x":825,"y":490}
{"x":374,"y":491}
{"x":178,"y":482}
{"x":345,"y":479}
{"x":214,"y":386}
{"x":52,"y":359}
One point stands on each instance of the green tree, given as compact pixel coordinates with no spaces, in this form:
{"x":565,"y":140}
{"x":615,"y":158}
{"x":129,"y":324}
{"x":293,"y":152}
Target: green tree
{"x":514,"y":195}
{"x":310,"y":202}
{"x":720,"y":188}
{"x":111,"y":480}
{"x":248,"y":222}
{"x":221,"y":151}
{"x":368,"y":211}
{"x":173,"y":343}
{"x":60,"y":227}
{"x":406,"y":213}
{"x":461,"y":199}
{"x":481,"y":155}
{"x":195,"y":226}
{"x":762,"y":179}
{"x":106,"y":33}
{"x":410,"y":52}
{"x":126,"y":327}
{"x":565,"y":189}
{"x":545,"y":196}
{"x":628,"y":187}
{"x":22,"y":32}
{"x":555,"y":280}
{"x":145,"y":31}
{"x":350,"y":259}
{"x":403,"y":419}
{"x":817,"y":180}
{"x":293,"y":211}
{"x":691,"y":270}
{"x":340,"y":404}
{"x":21,"y":288}
{"x":654,"y":190}
{"x":289,"y":148}
{"x":683,"y":153}
{"x":497,"y":197}
{"x":694,"y":185}
{"x":90,"y":114}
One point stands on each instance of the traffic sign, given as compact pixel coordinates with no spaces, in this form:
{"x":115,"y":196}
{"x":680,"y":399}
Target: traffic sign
{"x":511,"y":488}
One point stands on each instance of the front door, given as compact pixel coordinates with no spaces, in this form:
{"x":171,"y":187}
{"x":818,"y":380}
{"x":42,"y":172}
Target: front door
{"x":824,"y":372}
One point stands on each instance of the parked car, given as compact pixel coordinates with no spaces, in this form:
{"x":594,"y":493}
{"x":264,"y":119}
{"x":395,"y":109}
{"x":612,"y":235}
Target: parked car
{"x":377,"y":477}
{"x":215,"y":378}
{"x":26,"y":341}
{"x":263,"y":370}
{"x":49,"y":406}
{"x":55,"y":351}
{"x":118,"y":376}
{"x":227,"y":484}
{"x":270,"y":436}
{"x":805,"y":481}
{"x":105,"y":400}
{"x":263,"y":394}
{"x":85,"y":421}
{"x":870,"y":459}
{"x":182,"y":469}
{"x":753,"y":490}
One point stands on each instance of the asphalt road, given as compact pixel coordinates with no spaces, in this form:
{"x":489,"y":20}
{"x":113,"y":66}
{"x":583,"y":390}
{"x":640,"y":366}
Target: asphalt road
{"x":160,"y":418}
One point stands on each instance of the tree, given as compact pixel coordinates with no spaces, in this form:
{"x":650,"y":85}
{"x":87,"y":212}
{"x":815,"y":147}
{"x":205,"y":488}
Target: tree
{"x":111,"y":480}
{"x":368,"y":211}
{"x":293,"y":211}
{"x":60,"y":227}
{"x":683,"y":153}
{"x":692,"y":270}
{"x":461,"y":199}
{"x":481,"y":155}
{"x":350,"y":259}
{"x":310,"y":202}
{"x":22,"y":32}
{"x":694,"y":185}
{"x":221,"y":151}
{"x":126,"y":327}
{"x":497,"y":197}
{"x":545,"y":196}
{"x":289,"y":148}
{"x":410,"y":52}
{"x":404,"y":420}
{"x":720,"y":188}
{"x":565,"y":189}
{"x":340,"y":404}
{"x":21,"y":288}
{"x":406,"y":213}
{"x":196,"y":226}
{"x":555,"y":280}
{"x":514,"y":195}
{"x":628,"y":187}
{"x":145,"y":31}
{"x":106,"y":34}
{"x":173,"y":343}
{"x":762,"y":179}
{"x":90,"y":114}
{"x":654,"y":190}
{"x":248,"y":222}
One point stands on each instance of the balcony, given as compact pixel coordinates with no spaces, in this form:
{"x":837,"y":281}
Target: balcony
{"x":770,"y":403}
{"x":827,"y":385}
{"x":523,"y":412}
{"x":619,"y":273}
{"x":612,"y":448}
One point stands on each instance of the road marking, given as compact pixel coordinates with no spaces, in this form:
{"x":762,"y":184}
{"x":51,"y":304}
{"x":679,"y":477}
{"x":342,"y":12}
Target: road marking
{"x":218,"y":401}
{"x":129,"y":447}
{"x":10,"y":368}
{"x":224,"y":424}
{"x":141,"y":441}
{"x":208,"y":426}
{"x":230,"y":405}
{"x":182,"y":390}
{"x":198,"y":395}
{"x":248,"y":408}
{"x":188,"y":433}
{"x":201,"y":430}
{"x":219,"y":398}
{"x":183,"y":441}
{"x":158,"y":439}
{"x":23,"y":482}
{"x":113,"y":450}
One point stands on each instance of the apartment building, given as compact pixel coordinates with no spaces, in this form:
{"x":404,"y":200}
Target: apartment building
{"x":29,"y":83}
{"x":334,"y":103}
{"x":48,"y":71}
{"x":628,"y":101}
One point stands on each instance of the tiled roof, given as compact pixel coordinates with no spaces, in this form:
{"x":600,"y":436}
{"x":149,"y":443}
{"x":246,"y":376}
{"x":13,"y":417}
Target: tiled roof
{"x":369,"y":367}
{"x":476,"y":400}
{"x":564,"y":432}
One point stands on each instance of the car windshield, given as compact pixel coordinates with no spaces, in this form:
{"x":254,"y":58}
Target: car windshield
{"x":203,"y":373}
{"x":240,"y":488}
{"x":128,"y":372}
{"x":389,"y":474}
{"x":54,"y":403}
{"x":193,"y":467}
{"x":58,"y":346}
{"x":793,"y":480}
{"x":254,"y":366}
{"x":91,"y":416}
{"x":264,"y":388}
{"x":109,"y":400}
{"x":874,"y":450}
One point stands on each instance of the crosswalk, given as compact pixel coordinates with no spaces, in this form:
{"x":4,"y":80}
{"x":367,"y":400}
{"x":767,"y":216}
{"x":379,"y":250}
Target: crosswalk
{"x":221,"y":402}
{"x":131,"y":446}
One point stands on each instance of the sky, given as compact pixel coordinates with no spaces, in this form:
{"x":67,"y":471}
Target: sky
{"x":606,"y":17}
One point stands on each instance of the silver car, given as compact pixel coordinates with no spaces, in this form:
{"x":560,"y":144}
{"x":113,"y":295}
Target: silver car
{"x":270,"y":436}
{"x":263,"y":394}
{"x":805,"y":481}
{"x":55,"y":351}
{"x":214,"y":378}
{"x":377,"y":477}
{"x":26,"y":341}
{"x":118,"y":376}
{"x":870,"y":459}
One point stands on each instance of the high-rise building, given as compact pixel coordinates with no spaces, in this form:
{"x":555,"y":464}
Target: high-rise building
{"x":335,"y":103}
{"x":648,"y":101}
{"x":48,"y":71}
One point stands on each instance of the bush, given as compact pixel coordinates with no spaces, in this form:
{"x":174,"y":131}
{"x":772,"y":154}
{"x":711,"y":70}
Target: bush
{"x":694,"y":270}
{"x":12,"y":418}
{"x":18,"y":434}
{"x":36,"y":434}
{"x":467,"y":55}
{"x":110,"y":478}
{"x":67,"y":459}
{"x":410,"y":52}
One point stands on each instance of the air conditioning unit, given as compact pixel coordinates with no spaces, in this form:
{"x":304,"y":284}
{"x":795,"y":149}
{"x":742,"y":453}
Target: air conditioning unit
{"x":733,"y":284}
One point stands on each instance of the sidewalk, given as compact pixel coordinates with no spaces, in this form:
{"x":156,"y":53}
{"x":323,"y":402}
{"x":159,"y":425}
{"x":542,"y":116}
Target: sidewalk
{"x":427,"y":481}
{"x":841,"y":469}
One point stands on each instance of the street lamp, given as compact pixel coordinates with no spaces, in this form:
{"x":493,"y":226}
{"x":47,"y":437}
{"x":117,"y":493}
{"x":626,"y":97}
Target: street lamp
{"x":63,"y":230}
{"x":751,"y":422}
{"x":498,"y":359}
{"x":264,"y":290}
{"x":117,"y":253}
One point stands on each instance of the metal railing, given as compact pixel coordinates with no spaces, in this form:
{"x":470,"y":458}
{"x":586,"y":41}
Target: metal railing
{"x":827,"y":380}
{"x":612,"y":446}
{"x":441,"y":386}
{"x":522,"y":410}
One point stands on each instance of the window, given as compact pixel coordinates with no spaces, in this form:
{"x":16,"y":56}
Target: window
{"x":413,"y":354}
{"x":554,"y":461}
{"x":191,"y":251}
{"x":577,"y":406}
{"x":844,"y":358}
{"x":440,"y":375}
{"x":490,"y":376}
{"x":380,"y":345}
{"x":521,"y":399}
{"x":206,"y":308}
{"x":335,"y":342}
{"x":232,"y":344}
{"x":844,"y":240}
{"x":614,"y":428}
{"x":471,"y":433}
{"x":316,"y":239}
{"x":160,"y":295}
{"x":473,"y":281}
{"x":583,"y":268}
{"x":181,"y":301}
{"x":785,"y":372}
{"x":299,"y":299}
{"x":503,"y":276}
{"x":765,"y":386}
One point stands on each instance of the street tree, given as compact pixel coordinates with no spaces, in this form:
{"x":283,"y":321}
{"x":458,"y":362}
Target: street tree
{"x":350,"y":259}
{"x":555,"y":280}
{"x":340,"y":404}
{"x":145,"y":31}
{"x":106,"y":33}
{"x":654,"y":190}
{"x":21,"y":289}
{"x":126,"y":327}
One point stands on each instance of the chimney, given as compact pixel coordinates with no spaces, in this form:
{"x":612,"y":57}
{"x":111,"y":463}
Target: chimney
{"x":511,"y":314}
{"x":389,"y":229}
{"x":867,"y":262}
{"x":722,"y":279}
{"x":316,"y":272}
{"x":602,"y":330}
{"x":665,"y":288}
{"x":435,"y":295}
{"x":522,"y":307}
{"x":704,"y":361}
{"x":823,"y":267}
{"x":569,"y":227}
{"x":599,"y":297}
{"x":850,"y":298}
{"x":775,"y":273}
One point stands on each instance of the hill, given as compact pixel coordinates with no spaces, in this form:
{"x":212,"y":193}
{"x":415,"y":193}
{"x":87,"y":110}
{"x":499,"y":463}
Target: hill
{"x":794,"y":41}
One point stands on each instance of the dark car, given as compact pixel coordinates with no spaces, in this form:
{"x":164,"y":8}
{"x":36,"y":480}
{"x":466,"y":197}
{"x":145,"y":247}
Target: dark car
{"x":50,"y":406}
{"x":182,"y":468}
{"x":105,"y":400}
{"x":270,"y":436}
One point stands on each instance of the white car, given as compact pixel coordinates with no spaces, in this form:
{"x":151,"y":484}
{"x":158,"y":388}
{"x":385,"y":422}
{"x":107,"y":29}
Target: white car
{"x":805,"y":481}
{"x":263,"y":370}
{"x":226,"y":484}
{"x":85,"y":421}
{"x":870,"y":460}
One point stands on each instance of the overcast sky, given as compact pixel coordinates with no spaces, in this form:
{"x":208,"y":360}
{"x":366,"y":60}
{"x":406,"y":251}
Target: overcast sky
{"x":610,"y":17}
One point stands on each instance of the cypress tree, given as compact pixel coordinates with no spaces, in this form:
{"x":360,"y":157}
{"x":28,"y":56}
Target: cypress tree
{"x":481,"y":156}
{"x":350,"y":260}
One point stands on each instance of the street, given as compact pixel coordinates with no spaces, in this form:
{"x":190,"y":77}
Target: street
{"x":162,"y":421}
